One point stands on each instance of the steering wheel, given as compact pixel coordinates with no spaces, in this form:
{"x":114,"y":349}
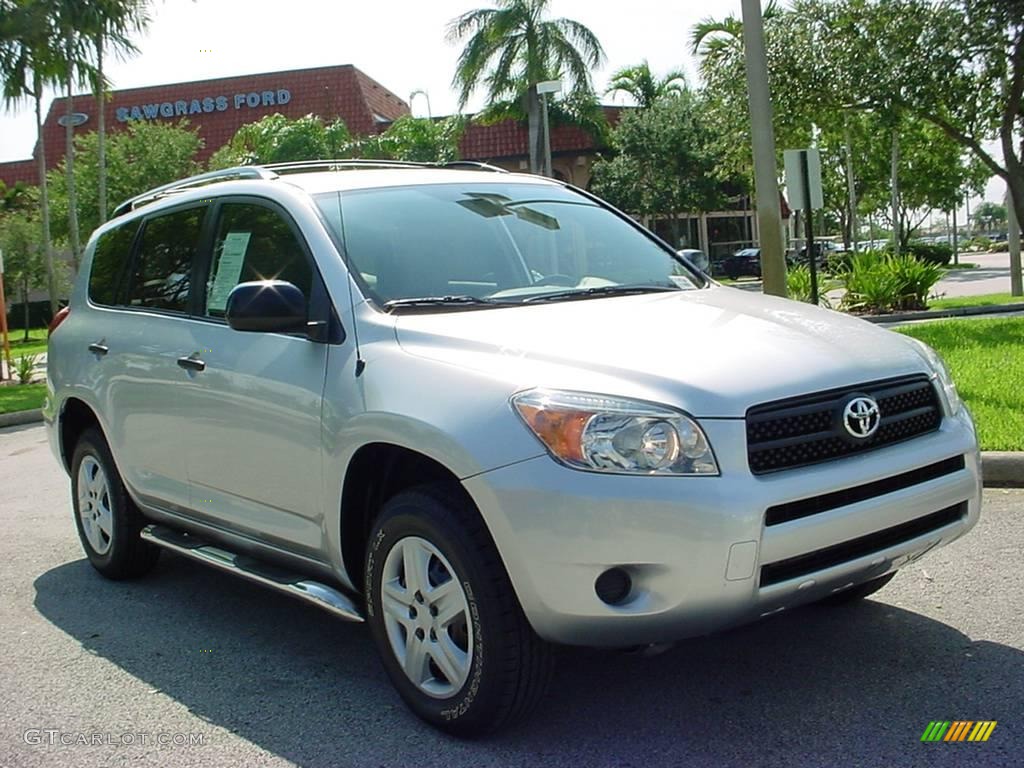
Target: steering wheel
{"x":562,"y":281}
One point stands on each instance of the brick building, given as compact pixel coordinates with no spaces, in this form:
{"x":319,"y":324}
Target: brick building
{"x":219,"y":107}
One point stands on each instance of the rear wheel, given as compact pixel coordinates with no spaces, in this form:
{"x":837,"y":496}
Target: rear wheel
{"x":107,"y":519}
{"x":450,"y":632}
{"x":859,"y":592}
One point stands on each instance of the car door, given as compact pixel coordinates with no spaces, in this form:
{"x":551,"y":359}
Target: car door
{"x":136,"y":344}
{"x":254,"y":444}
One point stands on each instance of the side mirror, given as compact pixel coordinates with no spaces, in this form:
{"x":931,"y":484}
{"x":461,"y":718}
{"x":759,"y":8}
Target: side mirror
{"x":270,"y":306}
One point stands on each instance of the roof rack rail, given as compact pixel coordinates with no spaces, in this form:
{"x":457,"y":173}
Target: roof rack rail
{"x":456,"y":164}
{"x":202,"y":179}
{"x":273,"y":170}
{"x":358,"y":163}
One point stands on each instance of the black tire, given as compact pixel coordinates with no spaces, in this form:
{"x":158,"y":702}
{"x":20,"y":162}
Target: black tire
{"x":126,"y":556}
{"x":503,"y":684}
{"x":859,"y":592}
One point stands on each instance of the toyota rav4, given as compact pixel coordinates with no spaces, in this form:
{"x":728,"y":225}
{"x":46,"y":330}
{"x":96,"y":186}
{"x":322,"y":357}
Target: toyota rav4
{"x":486,"y":414}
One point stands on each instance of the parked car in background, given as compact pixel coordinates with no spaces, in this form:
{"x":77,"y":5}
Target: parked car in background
{"x":746,"y":261}
{"x":699,"y":259}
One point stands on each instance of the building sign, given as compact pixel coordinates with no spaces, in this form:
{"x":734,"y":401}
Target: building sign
{"x":77,"y":119}
{"x":186,"y":107}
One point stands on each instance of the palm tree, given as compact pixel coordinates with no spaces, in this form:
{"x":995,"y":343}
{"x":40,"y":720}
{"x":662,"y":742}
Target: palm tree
{"x":713,"y":40}
{"x":511,"y":48}
{"x":28,"y":63}
{"x":646,"y":89}
{"x":116,"y":20}
{"x":74,"y":21}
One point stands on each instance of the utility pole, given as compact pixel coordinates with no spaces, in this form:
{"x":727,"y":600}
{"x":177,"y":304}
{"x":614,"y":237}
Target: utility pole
{"x":766,"y":174}
{"x":895,"y":190}
{"x":956,"y":242}
{"x":851,"y":187}
{"x":548,"y":86}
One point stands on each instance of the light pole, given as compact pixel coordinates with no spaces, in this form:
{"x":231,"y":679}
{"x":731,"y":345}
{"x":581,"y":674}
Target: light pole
{"x":543,"y":89}
{"x":424,"y":94}
{"x":766,"y":172}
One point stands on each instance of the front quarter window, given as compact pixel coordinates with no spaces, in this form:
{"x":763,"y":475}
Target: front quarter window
{"x":494,"y":243}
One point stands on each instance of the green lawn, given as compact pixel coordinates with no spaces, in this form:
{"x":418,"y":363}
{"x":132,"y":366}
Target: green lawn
{"x":984,"y":300}
{"x":35,"y":345}
{"x":987,"y":361}
{"x":21,"y":397}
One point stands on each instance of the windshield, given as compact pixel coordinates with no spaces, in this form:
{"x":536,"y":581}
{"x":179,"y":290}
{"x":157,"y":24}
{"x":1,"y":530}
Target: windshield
{"x":494,"y":243}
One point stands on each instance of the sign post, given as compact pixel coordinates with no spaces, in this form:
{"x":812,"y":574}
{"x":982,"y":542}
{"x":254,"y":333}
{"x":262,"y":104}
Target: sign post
{"x":3,"y":322}
{"x":803,"y":183}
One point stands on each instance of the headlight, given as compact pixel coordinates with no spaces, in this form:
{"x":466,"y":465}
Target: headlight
{"x":937,"y":364}
{"x":610,"y":434}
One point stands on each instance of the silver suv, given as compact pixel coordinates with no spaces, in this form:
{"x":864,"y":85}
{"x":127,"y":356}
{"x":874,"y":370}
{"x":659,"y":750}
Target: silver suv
{"x":485,"y":413}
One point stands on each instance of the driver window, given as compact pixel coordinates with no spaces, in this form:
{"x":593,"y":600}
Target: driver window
{"x":253,"y":243}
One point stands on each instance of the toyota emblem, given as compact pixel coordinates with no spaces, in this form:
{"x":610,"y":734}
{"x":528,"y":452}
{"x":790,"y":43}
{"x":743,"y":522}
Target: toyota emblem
{"x":861,"y":417}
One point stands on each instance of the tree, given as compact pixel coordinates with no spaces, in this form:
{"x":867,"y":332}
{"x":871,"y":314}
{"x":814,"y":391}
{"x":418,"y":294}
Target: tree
{"x":990,"y":216}
{"x":418,"y":139}
{"x":116,"y":20}
{"x":74,"y":21}
{"x":24,"y":267}
{"x":511,"y":48}
{"x":958,"y":64}
{"x":278,"y":139}
{"x":143,"y":156}
{"x":28,"y":63}
{"x":646,"y":90}
{"x":664,"y":163}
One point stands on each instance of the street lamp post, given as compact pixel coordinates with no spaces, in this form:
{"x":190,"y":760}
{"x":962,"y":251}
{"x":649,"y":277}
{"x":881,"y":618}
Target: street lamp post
{"x":424,"y":94}
{"x":543,"y":89}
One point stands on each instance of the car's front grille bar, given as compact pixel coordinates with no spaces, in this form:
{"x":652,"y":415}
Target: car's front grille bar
{"x":807,"y":430}
{"x":819,"y":560}
{"x":794,"y":510}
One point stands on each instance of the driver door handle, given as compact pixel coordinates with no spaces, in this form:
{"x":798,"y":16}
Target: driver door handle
{"x":191,"y":363}
{"x":98,"y":349}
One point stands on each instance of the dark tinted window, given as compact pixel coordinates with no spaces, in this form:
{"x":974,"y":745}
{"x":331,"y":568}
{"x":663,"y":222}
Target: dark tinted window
{"x":253,"y":243}
{"x":163,"y":267}
{"x":110,"y":263}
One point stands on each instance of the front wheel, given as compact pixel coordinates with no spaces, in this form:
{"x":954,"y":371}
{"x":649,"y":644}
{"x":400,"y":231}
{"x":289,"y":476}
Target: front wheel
{"x":444,"y":616}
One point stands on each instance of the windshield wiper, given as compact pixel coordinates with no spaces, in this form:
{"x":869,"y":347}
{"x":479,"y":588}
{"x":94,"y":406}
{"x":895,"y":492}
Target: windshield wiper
{"x":440,"y":301}
{"x":600,"y":290}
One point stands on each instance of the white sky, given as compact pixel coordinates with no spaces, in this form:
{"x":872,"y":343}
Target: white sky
{"x":400,"y":43}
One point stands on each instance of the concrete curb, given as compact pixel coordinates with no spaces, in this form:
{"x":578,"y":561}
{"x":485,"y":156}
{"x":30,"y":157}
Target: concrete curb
{"x":1003,"y":469}
{"x":20,"y":417}
{"x":934,"y":314}
{"x":1000,"y":469}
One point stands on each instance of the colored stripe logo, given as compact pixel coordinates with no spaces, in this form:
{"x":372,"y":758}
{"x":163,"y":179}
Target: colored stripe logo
{"x":958,"y":730}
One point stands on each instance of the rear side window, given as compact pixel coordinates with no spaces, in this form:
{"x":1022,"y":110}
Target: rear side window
{"x":254,"y":243}
{"x":163,"y":267}
{"x":109,"y":264}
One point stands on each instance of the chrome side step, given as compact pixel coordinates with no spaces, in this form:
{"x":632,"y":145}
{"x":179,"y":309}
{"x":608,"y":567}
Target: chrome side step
{"x":328,"y":598}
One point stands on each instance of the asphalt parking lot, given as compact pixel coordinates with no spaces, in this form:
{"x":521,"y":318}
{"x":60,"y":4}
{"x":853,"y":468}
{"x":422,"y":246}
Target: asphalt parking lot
{"x":194,"y":655}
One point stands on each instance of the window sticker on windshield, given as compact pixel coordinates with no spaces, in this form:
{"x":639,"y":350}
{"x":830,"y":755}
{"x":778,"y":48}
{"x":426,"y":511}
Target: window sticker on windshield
{"x":229,"y":269}
{"x":682,"y":281}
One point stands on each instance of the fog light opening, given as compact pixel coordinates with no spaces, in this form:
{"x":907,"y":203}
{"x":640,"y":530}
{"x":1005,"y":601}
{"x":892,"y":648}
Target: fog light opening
{"x":613,"y":586}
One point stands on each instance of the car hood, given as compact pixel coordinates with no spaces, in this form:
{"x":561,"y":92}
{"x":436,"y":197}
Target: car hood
{"x":713,"y":352}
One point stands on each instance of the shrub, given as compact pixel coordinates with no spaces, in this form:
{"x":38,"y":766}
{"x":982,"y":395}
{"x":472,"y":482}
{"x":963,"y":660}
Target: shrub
{"x":879,"y":282}
{"x":798,"y":285}
{"x":980,"y":243}
{"x":24,"y":366}
{"x":931,"y":253}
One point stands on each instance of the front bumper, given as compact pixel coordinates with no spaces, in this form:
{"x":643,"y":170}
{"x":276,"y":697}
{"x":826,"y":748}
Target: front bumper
{"x":695,"y":546}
